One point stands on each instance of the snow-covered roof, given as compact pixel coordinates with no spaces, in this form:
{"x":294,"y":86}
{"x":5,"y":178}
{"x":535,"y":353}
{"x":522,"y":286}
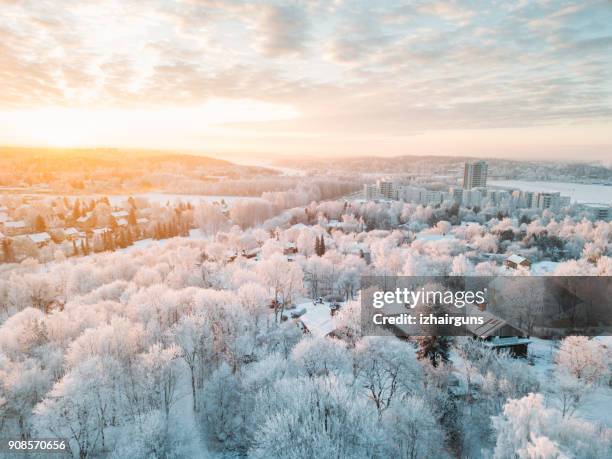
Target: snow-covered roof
{"x":100,"y":230}
{"x":317,"y":319}
{"x":504,"y":341}
{"x":16,"y":224}
{"x":120,"y":214}
{"x":122,"y":222}
{"x":71,"y":231}
{"x":517,"y":259}
{"x":83,"y":219}
{"x":142,"y":221}
{"x":37,"y":238}
{"x":491,"y":323}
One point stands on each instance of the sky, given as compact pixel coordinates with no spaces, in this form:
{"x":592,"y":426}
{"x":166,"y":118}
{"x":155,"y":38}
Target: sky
{"x":520,"y":79}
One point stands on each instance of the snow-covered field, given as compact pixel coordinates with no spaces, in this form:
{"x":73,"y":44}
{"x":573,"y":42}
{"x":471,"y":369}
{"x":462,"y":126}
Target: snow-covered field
{"x":578,"y":192}
{"x":163,"y":198}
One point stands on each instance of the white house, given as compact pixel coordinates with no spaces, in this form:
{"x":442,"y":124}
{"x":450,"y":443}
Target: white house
{"x":40,"y":239}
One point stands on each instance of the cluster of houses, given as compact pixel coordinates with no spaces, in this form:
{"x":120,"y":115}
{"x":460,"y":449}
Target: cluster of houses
{"x":20,"y":239}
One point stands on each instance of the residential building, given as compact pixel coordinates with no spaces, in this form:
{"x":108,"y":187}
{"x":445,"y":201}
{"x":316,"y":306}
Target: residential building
{"x":598,"y":211}
{"x":548,"y":200}
{"x":15,"y":228}
{"x":516,"y":261}
{"x":475,"y":175}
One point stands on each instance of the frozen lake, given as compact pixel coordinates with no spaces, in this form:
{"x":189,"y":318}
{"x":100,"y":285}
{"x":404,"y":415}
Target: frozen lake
{"x":578,"y":192}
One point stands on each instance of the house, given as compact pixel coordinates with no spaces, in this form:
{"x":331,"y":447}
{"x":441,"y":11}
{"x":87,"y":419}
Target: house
{"x":317,"y":320}
{"x":290,"y":248}
{"x":71,"y":234}
{"x":86,"y":222}
{"x":15,"y":228}
{"x":120,"y":214}
{"x":516,"y":261}
{"x":100,"y":231}
{"x":40,"y":239}
{"x":122,"y":223}
{"x":496,"y":333}
{"x":251,"y":253}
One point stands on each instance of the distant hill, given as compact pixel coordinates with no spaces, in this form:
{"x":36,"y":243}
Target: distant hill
{"x":51,"y":159}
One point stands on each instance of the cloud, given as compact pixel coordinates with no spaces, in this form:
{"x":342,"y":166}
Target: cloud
{"x":283,"y":30}
{"x":386,"y":67}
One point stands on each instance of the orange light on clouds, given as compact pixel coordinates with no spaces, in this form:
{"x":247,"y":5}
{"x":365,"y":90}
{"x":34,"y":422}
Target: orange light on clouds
{"x":72,"y":127}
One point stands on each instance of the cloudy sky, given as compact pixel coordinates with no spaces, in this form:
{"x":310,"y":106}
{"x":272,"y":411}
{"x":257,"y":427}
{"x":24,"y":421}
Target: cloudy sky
{"x":491,"y":78}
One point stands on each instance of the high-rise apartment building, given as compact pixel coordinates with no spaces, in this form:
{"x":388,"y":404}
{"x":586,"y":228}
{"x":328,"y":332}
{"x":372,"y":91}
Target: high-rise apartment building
{"x":475,"y":175}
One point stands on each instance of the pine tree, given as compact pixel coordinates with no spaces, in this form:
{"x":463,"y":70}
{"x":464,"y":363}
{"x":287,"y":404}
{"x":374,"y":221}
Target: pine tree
{"x":76,"y":210}
{"x":40,"y":224}
{"x":122,"y":239}
{"x":434,"y":348}
{"x":132,"y":217}
{"x":7,"y":250}
{"x":317,"y":247}
{"x":322,"y":245}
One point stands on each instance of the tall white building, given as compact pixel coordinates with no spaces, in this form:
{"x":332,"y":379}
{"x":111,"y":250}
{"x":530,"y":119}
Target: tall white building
{"x":548,"y":201}
{"x":387,"y":189}
{"x":475,"y":175}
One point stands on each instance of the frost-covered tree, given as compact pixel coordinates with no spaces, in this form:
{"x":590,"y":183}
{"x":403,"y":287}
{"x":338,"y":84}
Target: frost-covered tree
{"x":528,"y":429}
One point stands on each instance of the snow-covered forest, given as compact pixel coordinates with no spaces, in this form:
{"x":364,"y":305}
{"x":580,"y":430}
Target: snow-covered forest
{"x":190,"y":347}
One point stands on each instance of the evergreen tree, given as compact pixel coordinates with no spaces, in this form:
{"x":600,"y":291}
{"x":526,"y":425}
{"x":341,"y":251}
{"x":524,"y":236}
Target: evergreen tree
{"x":7,"y":251}
{"x":75,"y":250}
{"x":434,"y":348}
{"x":76,"y":209}
{"x":322,"y":245}
{"x":132,"y":217}
{"x":317,"y":247}
{"x":129,"y":237}
{"x":122,"y":239}
{"x":39,"y":224}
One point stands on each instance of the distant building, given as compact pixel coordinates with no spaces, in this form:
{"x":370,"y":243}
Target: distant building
{"x":598,"y":211}
{"x":15,"y":228}
{"x":40,"y":239}
{"x":456,"y":194}
{"x":472,"y":197}
{"x":548,"y":201}
{"x":387,"y":189}
{"x":71,"y":234}
{"x":120,"y":214}
{"x":475,"y":175}
{"x":370,"y":192}
{"x":516,"y":261}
